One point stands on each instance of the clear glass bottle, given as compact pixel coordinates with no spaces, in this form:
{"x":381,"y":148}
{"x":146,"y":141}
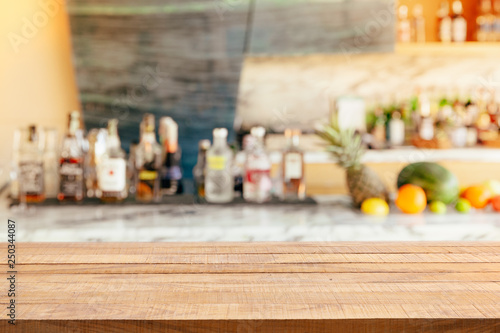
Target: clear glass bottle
{"x":294,"y":185}
{"x":485,"y":22}
{"x":396,"y":130}
{"x":171,"y":172}
{"x":444,"y":23}
{"x":418,"y":24}
{"x":50,"y":163}
{"x":219,"y":180}
{"x":148,"y":163}
{"x":496,"y":24}
{"x":459,"y":24}
{"x":71,"y":163}
{"x":112,"y":171}
{"x":257,"y":183}
{"x":199,"y":170}
{"x":404,"y":25}
{"x":31,"y":171}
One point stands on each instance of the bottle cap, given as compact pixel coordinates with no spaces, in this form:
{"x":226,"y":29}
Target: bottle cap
{"x":204,"y":144}
{"x":418,"y":10}
{"x":457,"y":7}
{"x":258,"y":132}
{"x":220,"y":133}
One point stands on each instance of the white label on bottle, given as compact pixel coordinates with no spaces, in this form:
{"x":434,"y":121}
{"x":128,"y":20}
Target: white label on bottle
{"x":112,"y":175}
{"x":445,"y":30}
{"x":293,"y":166}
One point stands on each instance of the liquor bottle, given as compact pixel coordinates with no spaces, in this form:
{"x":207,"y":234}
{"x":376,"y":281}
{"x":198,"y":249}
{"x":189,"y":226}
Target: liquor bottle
{"x":131,"y":174}
{"x":219,"y":181}
{"x":90,"y":170}
{"x":496,"y":24}
{"x":257,"y":183}
{"x":71,"y":187}
{"x":51,"y":163}
{"x":148,"y":163}
{"x":199,"y":170}
{"x":418,"y":24}
{"x":294,"y":186}
{"x":171,"y":173}
{"x":459,"y":24}
{"x":396,"y":130}
{"x":444,"y":23}
{"x":404,"y":25}
{"x":112,"y":170}
{"x":485,"y":22}
{"x":31,"y":171}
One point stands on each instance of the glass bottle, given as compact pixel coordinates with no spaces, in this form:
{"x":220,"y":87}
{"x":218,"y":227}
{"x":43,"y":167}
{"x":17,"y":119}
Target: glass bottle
{"x":148,"y":163}
{"x":418,"y":24}
{"x":485,"y":22}
{"x":396,"y":130}
{"x":459,"y":24}
{"x":444,"y":23}
{"x":294,"y":186}
{"x":91,"y":166}
{"x":112,"y":171}
{"x":71,"y":187}
{"x":496,"y":24}
{"x":404,"y":25}
{"x":131,"y":174}
{"x":50,"y":163}
{"x":200,"y":167}
{"x":171,"y":173}
{"x":257,"y":184}
{"x":31,"y":172}
{"x":219,"y":181}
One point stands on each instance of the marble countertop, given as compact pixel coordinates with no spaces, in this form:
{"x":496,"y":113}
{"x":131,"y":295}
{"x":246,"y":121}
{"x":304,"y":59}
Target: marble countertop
{"x":331,"y":220}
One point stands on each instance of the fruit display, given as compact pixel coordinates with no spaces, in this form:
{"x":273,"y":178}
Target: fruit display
{"x":478,"y":195}
{"x":495,"y":202}
{"x":411,"y":199}
{"x":438,"y":207}
{"x":438,"y":183}
{"x":375,"y":207}
{"x":347,"y":147}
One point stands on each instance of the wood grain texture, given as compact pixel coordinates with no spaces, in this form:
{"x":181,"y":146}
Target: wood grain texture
{"x":257,"y":287}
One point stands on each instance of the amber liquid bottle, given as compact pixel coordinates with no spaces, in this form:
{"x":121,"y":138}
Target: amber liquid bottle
{"x":31,"y":171}
{"x":294,"y":186}
{"x":148,"y":163}
{"x":71,"y":167}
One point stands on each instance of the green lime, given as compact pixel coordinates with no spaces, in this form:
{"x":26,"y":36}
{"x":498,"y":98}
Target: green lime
{"x":437,"y":207}
{"x":463,"y":206}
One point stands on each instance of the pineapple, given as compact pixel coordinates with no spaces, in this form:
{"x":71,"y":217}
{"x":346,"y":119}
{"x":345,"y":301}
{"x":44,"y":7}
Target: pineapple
{"x":347,"y":147}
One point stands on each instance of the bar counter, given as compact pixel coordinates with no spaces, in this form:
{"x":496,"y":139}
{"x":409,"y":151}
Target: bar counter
{"x":256,"y":287}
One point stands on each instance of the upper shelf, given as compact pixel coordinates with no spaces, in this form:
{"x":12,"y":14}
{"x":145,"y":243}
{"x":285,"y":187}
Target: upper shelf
{"x":469,"y":49}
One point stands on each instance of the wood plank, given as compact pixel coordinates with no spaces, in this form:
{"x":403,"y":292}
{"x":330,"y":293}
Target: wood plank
{"x":65,"y":268}
{"x":220,"y":286}
{"x":248,"y":326}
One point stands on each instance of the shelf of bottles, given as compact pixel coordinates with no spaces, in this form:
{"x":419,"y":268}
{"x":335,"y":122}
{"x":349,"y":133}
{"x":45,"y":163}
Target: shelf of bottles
{"x":451,"y":24}
{"x":432,"y":119}
{"x":94,"y":167}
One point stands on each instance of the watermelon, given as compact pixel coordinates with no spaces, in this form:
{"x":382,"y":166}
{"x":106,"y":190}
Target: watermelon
{"x":438,"y":183}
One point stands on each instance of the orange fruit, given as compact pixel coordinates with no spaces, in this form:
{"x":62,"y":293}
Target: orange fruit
{"x":479,"y":196}
{"x":495,"y":202}
{"x":411,"y":199}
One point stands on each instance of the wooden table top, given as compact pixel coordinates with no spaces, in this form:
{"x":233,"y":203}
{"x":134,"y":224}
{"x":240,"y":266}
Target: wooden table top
{"x":256,"y":287}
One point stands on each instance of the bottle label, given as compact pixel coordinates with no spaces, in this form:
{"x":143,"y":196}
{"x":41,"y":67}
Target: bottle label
{"x":31,"y":177}
{"x":293,"y":166}
{"x":71,"y":179}
{"x":445,"y":30}
{"x":112,"y":175}
{"x":216,"y":162}
{"x":148,"y":175}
